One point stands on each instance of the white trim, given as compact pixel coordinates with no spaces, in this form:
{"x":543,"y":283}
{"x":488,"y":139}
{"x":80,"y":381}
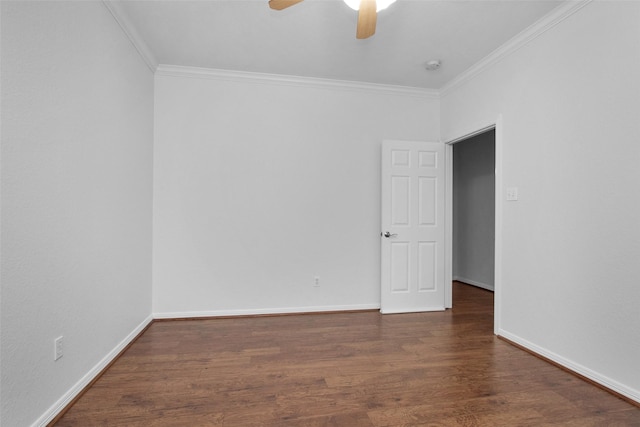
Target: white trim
{"x":132,"y":34}
{"x":547,"y":22}
{"x":477,"y":131}
{"x":264,"y":311}
{"x":286,"y":80}
{"x":448,"y":225}
{"x":498,"y":225}
{"x":474,"y":283}
{"x":54,"y":410}
{"x":413,"y":310}
{"x":575,"y":367}
{"x":497,"y":250}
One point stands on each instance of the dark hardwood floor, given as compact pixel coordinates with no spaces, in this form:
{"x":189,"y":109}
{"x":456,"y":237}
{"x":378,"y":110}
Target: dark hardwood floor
{"x":347,"y":369}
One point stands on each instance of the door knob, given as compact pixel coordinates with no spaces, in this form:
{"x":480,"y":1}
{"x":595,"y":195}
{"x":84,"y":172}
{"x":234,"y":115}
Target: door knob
{"x":389,"y":235}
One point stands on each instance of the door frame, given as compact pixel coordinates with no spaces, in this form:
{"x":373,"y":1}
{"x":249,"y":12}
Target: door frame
{"x":499,"y":144}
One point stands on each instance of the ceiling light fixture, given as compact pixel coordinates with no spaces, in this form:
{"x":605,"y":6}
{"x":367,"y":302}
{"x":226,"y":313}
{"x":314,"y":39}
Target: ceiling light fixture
{"x":380,"y":4}
{"x":367,"y":13}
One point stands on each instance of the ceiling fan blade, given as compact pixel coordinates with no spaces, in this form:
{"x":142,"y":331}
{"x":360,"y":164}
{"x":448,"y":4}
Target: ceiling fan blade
{"x":367,"y":17}
{"x":282,"y":4}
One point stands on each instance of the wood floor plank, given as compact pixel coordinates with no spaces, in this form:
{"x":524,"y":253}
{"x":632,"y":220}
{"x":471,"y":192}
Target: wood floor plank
{"x":342,"y":369}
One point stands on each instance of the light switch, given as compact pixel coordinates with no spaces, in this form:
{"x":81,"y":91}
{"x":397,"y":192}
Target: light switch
{"x":512,"y":193}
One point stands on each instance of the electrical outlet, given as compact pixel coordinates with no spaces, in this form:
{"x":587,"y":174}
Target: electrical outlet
{"x":316,"y":281}
{"x":58,"y":348}
{"x":512,"y":194}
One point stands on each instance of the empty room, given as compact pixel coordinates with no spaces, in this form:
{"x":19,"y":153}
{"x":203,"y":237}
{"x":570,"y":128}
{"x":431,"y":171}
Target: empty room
{"x":250,"y":213}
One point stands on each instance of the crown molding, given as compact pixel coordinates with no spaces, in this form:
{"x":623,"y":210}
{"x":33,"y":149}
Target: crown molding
{"x":132,"y":34}
{"x":538,"y":28}
{"x":549,"y":21}
{"x":286,"y":80}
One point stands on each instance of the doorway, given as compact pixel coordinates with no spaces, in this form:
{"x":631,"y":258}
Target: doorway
{"x":473,"y":205}
{"x":497,"y":127}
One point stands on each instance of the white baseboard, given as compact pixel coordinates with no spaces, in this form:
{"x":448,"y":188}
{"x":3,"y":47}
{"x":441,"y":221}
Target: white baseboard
{"x":413,"y":310}
{"x":53,"y":411}
{"x":263,"y":311}
{"x":474,"y":283}
{"x":575,"y":367}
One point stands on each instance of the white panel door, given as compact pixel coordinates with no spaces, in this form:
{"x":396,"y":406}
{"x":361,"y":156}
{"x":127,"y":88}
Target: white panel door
{"x":413,"y":231}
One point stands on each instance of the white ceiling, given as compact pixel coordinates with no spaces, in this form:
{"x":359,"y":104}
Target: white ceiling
{"x":316,"y":38}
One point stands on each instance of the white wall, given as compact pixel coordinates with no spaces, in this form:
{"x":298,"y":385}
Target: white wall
{"x":570,"y":105}
{"x":262,"y":185}
{"x":77,"y":123}
{"x":474,"y":210}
